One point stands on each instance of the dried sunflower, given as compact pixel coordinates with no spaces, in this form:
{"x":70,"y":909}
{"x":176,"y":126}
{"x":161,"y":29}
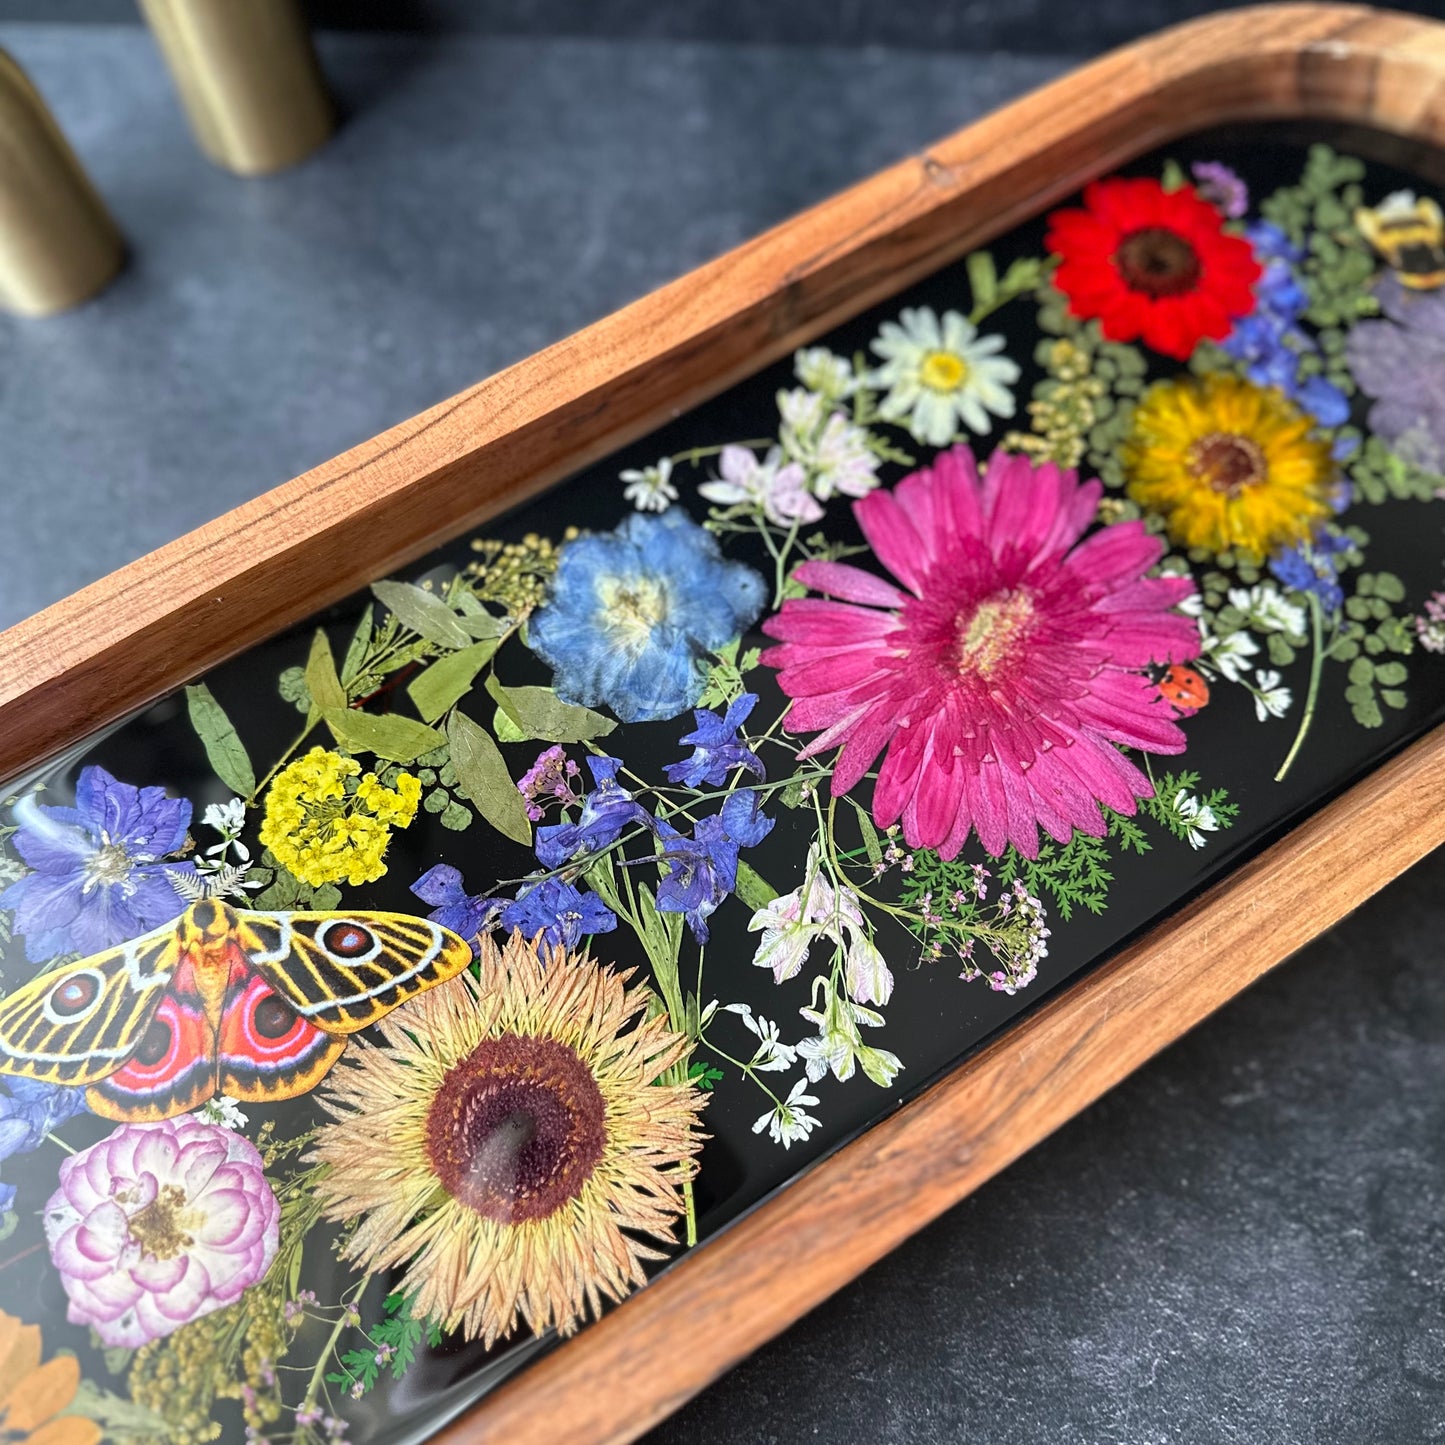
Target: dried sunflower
{"x":528,"y":1140}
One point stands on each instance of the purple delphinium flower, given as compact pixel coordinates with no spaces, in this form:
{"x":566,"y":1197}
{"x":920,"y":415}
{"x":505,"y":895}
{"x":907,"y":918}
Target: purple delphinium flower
{"x":1221,"y":186}
{"x":100,"y":875}
{"x":1313,"y":567}
{"x":549,"y":779}
{"x":29,"y":1110}
{"x":1270,"y":342}
{"x":557,"y":911}
{"x":607,"y":812}
{"x":703,"y":869}
{"x":1401,"y":362}
{"x":466,"y":914}
{"x":716,"y":747}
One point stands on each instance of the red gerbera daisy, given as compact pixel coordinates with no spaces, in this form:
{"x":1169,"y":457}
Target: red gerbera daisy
{"x":1152,"y":264}
{"x":1004,"y":673}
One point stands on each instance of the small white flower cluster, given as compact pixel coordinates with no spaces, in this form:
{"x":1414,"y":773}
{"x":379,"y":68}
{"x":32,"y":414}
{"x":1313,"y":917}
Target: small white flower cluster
{"x":818,"y":909}
{"x":1229,"y":655}
{"x":650,"y":489}
{"x":1019,"y":944}
{"x":1195,"y":816}
{"x":223,"y":1110}
{"x":218,"y":875}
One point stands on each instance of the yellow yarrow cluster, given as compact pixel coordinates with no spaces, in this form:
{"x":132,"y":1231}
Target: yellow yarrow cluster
{"x":326,"y":824}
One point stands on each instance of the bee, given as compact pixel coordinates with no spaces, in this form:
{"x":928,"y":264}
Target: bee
{"x":1409,"y":232}
{"x":1184,"y":688}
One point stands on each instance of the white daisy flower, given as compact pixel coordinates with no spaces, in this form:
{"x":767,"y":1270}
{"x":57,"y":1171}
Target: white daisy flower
{"x":940,"y":373}
{"x":1270,"y":699}
{"x":650,"y":489}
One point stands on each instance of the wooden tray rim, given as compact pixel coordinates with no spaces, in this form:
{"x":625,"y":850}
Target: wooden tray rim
{"x":137,"y":634}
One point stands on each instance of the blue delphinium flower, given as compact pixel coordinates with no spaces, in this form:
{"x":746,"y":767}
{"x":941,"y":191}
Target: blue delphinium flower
{"x":703,"y":869}
{"x":1313,"y":567}
{"x":1270,"y":340}
{"x":100,"y":877}
{"x":716,"y":747}
{"x":466,"y":914}
{"x":559,"y":912}
{"x":607,"y":812}
{"x":29,"y":1110}
{"x":633,"y":613}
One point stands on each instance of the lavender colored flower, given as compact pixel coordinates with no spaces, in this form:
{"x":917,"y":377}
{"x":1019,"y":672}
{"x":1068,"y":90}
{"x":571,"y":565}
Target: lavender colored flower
{"x":158,"y":1225}
{"x":1401,"y":362}
{"x":1221,"y":186}
{"x":466,"y":914}
{"x":1314,"y":567}
{"x":99,"y":872}
{"x":1270,"y":341}
{"x":607,"y":812}
{"x":547,"y":780}
{"x":716,"y":747}
{"x":29,"y":1110}
{"x":559,"y":912}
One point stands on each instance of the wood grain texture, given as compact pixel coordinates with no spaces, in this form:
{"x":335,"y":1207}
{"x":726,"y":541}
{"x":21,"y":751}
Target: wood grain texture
{"x":211,"y":594}
{"x":124,"y":641}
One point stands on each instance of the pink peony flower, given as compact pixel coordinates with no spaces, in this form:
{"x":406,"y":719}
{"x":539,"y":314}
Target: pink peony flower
{"x":1004,"y":679}
{"x":158,"y":1225}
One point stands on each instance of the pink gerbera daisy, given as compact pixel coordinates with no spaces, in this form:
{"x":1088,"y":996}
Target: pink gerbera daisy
{"x":1006,"y":677}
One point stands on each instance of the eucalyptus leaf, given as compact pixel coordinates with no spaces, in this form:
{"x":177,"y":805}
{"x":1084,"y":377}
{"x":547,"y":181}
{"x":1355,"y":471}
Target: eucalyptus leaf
{"x":753,"y":888}
{"x":505,"y":730}
{"x":542,"y":715}
{"x":483,"y":779}
{"x":400,"y":739}
{"x":224,"y":749}
{"x":449,"y":679}
{"x":422,"y":611}
{"x":321,"y":679}
{"x":360,"y":641}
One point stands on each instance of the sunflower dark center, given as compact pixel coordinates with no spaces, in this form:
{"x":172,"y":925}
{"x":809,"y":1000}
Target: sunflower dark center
{"x":1157,"y":262}
{"x":517,"y":1128}
{"x":1228,"y":462}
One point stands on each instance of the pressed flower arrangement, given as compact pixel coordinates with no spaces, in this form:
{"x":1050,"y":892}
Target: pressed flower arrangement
{"x":477,"y":949}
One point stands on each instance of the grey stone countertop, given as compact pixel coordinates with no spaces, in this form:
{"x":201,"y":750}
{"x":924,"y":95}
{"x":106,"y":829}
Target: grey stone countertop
{"x":1246,"y":1241}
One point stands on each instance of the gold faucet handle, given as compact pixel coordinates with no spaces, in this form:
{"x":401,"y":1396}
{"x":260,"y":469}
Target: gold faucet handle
{"x":248,"y":79}
{"x":58,"y":243}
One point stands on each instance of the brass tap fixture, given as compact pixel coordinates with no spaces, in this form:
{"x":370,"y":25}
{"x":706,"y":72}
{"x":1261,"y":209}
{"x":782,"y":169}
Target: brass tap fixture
{"x":247,"y":77}
{"x":58,"y":243}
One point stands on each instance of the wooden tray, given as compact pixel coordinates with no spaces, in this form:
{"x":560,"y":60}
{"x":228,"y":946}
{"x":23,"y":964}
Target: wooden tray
{"x":132,"y":638}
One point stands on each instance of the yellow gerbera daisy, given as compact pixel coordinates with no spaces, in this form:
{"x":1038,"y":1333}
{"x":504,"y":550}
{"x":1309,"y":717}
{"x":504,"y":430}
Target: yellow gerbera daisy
{"x":1228,"y":464}
{"x":526,"y":1131}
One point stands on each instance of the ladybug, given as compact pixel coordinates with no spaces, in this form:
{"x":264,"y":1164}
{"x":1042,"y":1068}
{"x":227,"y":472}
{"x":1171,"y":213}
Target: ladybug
{"x":1184,"y":688}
